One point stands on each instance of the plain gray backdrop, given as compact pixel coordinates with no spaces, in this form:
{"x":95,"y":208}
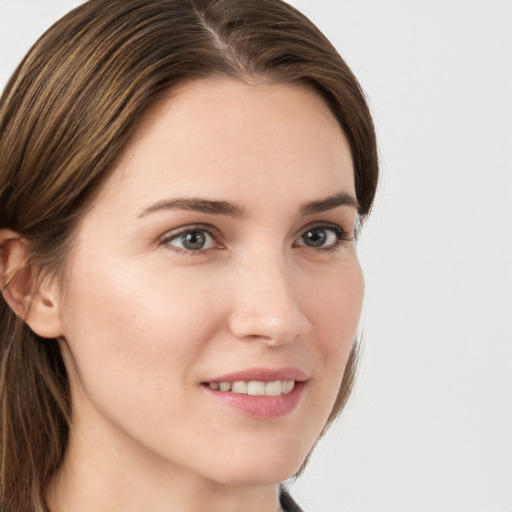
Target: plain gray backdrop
{"x":429,"y":427}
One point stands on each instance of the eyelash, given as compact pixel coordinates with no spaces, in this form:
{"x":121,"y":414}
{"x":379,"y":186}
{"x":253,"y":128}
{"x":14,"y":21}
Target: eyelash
{"x":340,"y":234}
{"x":213,"y":233}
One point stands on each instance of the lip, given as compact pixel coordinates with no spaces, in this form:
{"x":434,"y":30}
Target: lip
{"x":260,"y":407}
{"x":263,"y":375}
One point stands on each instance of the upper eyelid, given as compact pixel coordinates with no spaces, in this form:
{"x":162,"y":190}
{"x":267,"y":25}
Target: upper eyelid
{"x":208,"y":228}
{"x":212,"y":229}
{"x":344,"y":238}
{"x":324,"y":224}
{"x":218,"y":236}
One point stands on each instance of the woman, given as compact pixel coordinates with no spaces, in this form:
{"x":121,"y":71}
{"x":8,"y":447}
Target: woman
{"x":181,"y":187}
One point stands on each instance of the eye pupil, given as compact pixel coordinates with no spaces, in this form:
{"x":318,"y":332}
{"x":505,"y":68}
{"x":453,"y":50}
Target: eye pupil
{"x":194,"y":240}
{"x":315,"y":237}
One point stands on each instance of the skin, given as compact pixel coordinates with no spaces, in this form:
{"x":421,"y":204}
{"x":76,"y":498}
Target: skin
{"x":143,"y":322}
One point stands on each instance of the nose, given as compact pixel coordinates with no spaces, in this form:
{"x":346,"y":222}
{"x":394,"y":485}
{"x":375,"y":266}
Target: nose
{"x":267,"y":303}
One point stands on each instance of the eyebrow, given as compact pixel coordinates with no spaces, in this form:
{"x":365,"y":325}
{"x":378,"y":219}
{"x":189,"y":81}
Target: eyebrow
{"x":234,"y":210}
{"x":198,"y":205}
{"x":331,"y":202}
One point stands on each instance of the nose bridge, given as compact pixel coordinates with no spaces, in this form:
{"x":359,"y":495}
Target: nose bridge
{"x":266,"y":304}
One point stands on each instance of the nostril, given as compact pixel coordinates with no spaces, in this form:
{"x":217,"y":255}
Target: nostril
{"x":271,"y":327}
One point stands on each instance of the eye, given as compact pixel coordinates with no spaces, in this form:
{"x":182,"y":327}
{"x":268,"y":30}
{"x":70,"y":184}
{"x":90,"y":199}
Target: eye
{"x":192,"y":240}
{"x":322,"y":237}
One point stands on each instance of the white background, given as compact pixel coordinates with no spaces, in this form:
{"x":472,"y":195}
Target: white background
{"x":429,"y":428}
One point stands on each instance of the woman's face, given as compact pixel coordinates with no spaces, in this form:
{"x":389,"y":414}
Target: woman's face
{"x":219,"y":250}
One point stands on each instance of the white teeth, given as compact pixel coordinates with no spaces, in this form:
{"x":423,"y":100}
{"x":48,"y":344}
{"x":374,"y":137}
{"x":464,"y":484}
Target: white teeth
{"x":239,"y":387}
{"x":288,"y":385}
{"x":274,"y":388}
{"x":225,"y":386}
{"x":255,"y":388}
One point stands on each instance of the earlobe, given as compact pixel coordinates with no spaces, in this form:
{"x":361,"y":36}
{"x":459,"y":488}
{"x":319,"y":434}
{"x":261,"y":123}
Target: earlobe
{"x":35,"y":303}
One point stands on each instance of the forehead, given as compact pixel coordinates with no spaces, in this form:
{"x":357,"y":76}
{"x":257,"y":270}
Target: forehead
{"x":219,"y":137}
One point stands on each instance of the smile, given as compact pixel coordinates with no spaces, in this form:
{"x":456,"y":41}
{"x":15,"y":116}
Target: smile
{"x":259,"y":392}
{"x":255,"y":388}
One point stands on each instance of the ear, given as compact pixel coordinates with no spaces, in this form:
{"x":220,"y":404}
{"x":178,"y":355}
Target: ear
{"x":36,"y":303}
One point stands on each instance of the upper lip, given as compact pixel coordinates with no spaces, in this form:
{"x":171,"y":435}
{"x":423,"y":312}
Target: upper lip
{"x":262,"y":375}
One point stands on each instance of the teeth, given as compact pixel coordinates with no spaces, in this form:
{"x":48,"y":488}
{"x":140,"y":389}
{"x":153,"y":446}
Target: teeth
{"x":239,"y":387}
{"x":225,"y":386}
{"x":274,"y":388}
{"x":255,"y":388}
{"x":288,"y":385}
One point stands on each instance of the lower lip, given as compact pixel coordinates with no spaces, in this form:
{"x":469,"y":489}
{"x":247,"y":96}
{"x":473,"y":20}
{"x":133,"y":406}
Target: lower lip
{"x":264,"y":407}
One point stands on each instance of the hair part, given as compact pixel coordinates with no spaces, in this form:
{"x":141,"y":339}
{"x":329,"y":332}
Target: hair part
{"x":66,"y":114}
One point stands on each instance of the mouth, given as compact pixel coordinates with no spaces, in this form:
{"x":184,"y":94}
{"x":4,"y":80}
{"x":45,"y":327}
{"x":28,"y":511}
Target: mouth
{"x":259,"y":393}
{"x":254,"y":387}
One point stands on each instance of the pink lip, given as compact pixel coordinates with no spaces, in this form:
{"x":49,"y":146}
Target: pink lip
{"x":261,"y":407}
{"x":263,"y":375}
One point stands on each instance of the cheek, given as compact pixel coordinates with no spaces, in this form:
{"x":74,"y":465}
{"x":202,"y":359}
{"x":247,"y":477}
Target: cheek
{"x":335,"y":317}
{"x":134,"y":338}
{"x":125,"y":323}
{"x":335,"y":310}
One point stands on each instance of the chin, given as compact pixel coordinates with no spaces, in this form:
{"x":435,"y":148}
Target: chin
{"x":267,"y":474}
{"x":268,"y":466}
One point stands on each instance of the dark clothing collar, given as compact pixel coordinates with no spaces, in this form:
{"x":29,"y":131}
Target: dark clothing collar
{"x":286,"y":501}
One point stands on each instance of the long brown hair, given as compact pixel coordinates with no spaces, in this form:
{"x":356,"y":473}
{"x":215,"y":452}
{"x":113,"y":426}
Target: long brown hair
{"x":65,"y":115}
